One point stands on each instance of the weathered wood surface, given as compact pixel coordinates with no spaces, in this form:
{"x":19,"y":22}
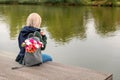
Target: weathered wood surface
{"x":47,"y":71}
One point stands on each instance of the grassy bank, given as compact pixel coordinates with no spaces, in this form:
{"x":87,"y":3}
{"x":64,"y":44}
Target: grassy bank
{"x":65,"y":2}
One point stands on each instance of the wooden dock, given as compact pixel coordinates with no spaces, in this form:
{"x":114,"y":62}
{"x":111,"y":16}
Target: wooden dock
{"x":46,"y":71}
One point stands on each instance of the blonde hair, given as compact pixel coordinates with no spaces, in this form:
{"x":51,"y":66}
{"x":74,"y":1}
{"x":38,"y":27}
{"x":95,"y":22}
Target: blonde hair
{"x":33,"y":20}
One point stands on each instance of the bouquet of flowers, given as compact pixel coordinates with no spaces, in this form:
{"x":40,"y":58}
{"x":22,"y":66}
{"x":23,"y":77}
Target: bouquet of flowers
{"x":31,"y":45}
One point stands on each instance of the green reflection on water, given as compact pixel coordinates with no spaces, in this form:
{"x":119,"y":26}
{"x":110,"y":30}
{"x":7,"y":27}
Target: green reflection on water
{"x":63,"y":23}
{"x":106,"y":19}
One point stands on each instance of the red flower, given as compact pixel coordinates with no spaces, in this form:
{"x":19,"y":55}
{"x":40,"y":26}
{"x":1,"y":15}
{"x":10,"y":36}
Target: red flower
{"x":31,"y":45}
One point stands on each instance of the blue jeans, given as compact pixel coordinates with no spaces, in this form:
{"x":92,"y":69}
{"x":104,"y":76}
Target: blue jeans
{"x":46,"y":57}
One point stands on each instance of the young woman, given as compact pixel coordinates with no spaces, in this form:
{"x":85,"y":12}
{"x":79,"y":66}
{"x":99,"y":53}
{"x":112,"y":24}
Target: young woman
{"x":33,"y":23}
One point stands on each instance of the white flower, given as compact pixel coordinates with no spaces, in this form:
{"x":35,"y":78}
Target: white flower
{"x":27,"y":42}
{"x":37,"y":46}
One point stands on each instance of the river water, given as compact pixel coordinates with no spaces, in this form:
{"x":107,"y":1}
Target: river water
{"x":81,"y":36}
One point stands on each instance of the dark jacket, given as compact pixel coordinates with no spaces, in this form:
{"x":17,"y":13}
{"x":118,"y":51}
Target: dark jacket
{"x":23,"y":35}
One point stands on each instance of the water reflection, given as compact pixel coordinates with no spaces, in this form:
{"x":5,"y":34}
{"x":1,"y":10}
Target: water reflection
{"x":86,"y":30}
{"x":63,"y":23}
{"x":106,"y":19}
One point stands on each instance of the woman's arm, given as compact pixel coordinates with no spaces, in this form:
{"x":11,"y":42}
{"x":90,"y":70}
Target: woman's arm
{"x":44,"y":41}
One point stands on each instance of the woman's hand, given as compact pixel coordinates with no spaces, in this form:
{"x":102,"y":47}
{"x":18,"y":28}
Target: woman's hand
{"x":42,"y":33}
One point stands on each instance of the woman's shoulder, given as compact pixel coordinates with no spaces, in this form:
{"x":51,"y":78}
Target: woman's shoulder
{"x":29,"y":28}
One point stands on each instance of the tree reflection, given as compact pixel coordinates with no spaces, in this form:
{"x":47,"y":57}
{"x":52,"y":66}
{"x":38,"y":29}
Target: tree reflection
{"x":63,"y":23}
{"x":106,"y":19}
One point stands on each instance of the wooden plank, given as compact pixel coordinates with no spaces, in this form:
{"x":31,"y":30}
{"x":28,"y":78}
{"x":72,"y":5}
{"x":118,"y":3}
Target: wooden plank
{"x":47,"y":71}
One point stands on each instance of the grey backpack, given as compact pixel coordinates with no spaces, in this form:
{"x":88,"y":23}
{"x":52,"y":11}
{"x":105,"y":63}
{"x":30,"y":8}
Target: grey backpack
{"x":33,"y":59}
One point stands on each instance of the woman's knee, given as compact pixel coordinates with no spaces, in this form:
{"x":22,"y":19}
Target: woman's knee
{"x":46,"y":57}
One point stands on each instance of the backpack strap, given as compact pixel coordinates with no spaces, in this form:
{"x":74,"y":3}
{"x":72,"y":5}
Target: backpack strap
{"x":18,"y":67}
{"x":37,"y":34}
{"x":30,"y":35}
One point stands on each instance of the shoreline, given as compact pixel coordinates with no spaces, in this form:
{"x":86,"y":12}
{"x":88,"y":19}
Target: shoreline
{"x":93,"y":3}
